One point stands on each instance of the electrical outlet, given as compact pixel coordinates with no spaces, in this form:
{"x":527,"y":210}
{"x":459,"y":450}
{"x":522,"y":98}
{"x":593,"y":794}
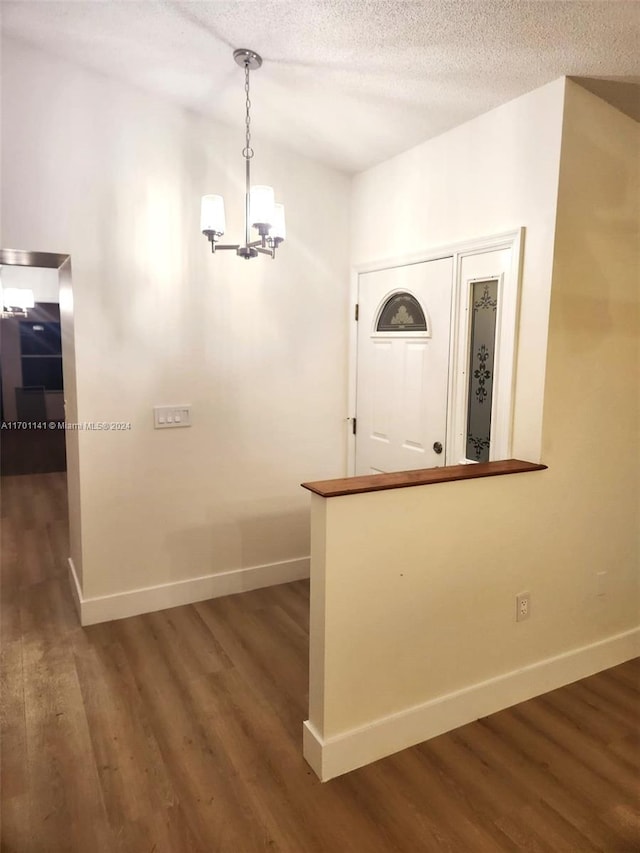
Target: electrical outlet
{"x":601,"y":584}
{"x":523,"y":606}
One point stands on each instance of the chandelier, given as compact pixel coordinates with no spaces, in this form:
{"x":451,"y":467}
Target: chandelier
{"x":260,"y":210}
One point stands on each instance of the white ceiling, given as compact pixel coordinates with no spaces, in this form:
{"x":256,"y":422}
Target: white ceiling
{"x":348,"y":83}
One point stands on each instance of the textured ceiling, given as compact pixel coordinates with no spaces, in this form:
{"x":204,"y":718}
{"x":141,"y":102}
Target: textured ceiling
{"x":348,"y":83}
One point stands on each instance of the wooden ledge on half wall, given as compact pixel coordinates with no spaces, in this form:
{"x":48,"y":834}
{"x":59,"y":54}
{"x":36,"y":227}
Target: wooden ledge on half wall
{"x":421,"y":477}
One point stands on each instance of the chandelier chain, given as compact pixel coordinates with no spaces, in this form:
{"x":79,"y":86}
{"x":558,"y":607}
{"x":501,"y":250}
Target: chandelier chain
{"x":248,"y":151}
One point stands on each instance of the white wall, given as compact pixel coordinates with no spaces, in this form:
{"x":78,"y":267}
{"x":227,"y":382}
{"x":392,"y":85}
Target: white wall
{"x":43,"y":282}
{"x":434,"y":643}
{"x":72,"y":437}
{"x":113,"y":176}
{"x":491,"y":175}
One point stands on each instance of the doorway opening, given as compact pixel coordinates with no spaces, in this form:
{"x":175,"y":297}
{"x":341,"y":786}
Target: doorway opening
{"x":39,"y":399}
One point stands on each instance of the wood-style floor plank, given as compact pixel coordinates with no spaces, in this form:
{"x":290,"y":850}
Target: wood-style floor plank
{"x":548,"y":804}
{"x":181,"y":732}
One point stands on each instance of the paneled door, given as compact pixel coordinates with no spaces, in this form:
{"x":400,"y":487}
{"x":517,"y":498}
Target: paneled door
{"x":402,"y":367}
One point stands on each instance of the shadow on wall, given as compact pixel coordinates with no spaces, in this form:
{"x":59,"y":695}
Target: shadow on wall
{"x":594,"y":304}
{"x":239,"y":540}
{"x":622,"y":93}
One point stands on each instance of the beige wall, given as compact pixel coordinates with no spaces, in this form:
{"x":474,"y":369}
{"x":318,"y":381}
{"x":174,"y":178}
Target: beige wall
{"x":491,"y":175}
{"x":413,"y":590}
{"x":592,"y":396}
{"x":113,"y":176}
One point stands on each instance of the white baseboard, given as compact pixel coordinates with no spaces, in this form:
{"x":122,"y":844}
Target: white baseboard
{"x":106,"y":608}
{"x":333,"y":756}
{"x":76,"y":590}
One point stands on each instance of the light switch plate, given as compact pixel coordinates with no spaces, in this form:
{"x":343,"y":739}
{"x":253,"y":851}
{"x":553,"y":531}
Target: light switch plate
{"x":170,"y":417}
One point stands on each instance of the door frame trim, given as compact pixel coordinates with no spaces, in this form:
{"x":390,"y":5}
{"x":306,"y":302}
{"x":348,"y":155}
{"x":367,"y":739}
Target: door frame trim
{"x":62,"y":262}
{"x":513,"y":239}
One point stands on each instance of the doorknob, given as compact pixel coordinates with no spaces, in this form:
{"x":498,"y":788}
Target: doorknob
{"x":437,"y":447}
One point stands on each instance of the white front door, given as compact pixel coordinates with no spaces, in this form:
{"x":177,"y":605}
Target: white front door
{"x":403,"y":365}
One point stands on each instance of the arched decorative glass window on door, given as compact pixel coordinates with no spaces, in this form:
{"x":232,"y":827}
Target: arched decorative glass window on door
{"x":401,"y":313}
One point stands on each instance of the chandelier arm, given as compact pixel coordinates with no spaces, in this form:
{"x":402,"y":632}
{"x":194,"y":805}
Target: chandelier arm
{"x":216,"y":247}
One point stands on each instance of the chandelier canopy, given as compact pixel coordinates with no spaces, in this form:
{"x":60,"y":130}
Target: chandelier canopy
{"x":261,"y":211}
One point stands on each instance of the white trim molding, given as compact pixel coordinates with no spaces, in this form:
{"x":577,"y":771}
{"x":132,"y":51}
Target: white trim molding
{"x":506,"y":338}
{"x":76,"y":589}
{"x":333,"y":756}
{"x":120,"y":605}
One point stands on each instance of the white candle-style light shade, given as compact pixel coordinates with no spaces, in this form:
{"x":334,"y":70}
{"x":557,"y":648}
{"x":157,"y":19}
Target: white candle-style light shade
{"x":278,"y":228}
{"x":212,"y":214}
{"x":17,"y":297}
{"x":261,"y":205}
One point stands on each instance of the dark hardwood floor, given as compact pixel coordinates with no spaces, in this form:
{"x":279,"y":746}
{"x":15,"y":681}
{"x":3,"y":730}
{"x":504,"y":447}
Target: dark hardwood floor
{"x":32,"y":451}
{"x":181,"y":731}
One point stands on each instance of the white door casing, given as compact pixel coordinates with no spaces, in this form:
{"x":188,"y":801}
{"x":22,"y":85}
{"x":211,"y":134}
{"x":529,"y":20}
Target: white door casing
{"x":403,"y":375}
{"x":499,"y":263}
{"x":469,"y":264}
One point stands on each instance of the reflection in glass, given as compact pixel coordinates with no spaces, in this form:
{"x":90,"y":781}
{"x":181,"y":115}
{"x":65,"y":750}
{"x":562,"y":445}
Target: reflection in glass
{"x":484,"y":301}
